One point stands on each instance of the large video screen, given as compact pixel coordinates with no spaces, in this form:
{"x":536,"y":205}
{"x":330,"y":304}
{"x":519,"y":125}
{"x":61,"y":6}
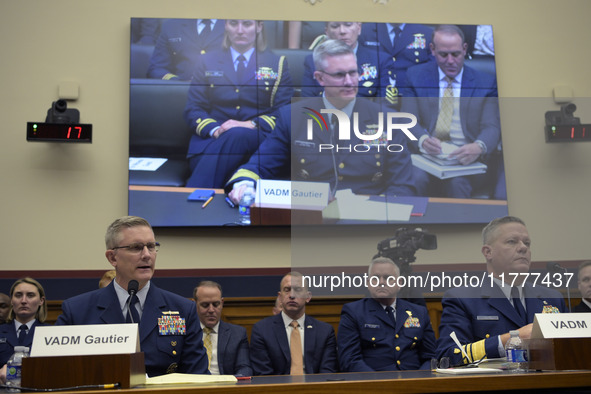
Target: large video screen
{"x":328,"y":122}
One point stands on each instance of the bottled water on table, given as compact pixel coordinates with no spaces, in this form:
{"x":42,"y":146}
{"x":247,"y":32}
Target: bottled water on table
{"x":14,"y":368}
{"x":516,"y":353}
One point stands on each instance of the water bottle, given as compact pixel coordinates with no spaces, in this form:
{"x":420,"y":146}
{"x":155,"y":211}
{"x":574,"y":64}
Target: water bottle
{"x":245,"y":202}
{"x":14,"y":368}
{"x":516,"y":354}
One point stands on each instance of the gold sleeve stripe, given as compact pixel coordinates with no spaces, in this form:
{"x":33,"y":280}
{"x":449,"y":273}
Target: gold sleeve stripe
{"x":169,"y":76}
{"x":203,"y":123}
{"x":269,"y":119}
{"x":242,"y":173}
{"x":317,"y":41}
{"x":475,"y":351}
{"x":278,"y":80}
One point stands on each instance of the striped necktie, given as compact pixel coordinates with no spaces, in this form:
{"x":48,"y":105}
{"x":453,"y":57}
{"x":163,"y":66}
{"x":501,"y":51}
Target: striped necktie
{"x":446,"y":111}
{"x":208,"y":343}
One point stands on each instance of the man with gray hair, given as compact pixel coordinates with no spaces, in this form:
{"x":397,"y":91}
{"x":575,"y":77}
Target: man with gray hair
{"x":482,"y":316}
{"x":368,"y":171}
{"x":383,"y":332}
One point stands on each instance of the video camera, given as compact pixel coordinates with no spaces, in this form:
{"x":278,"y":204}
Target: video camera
{"x":401,"y":248}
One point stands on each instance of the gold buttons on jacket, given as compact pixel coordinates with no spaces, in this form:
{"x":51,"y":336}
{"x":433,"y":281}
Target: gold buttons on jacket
{"x":397,"y":348}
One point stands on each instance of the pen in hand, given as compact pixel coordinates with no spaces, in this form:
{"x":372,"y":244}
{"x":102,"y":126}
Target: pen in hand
{"x":206,"y":203}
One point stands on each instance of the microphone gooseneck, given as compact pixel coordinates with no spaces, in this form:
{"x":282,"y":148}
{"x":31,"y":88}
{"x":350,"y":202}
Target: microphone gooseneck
{"x":132,"y":289}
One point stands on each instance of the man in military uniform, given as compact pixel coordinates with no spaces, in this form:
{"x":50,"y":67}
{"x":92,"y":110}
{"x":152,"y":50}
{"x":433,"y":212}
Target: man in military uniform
{"x":233,"y":99}
{"x":169,"y":331}
{"x":384,"y":333}
{"x":371,"y":170}
{"x":180,"y":44}
{"x":482,"y":316}
{"x":406,"y":44}
{"x":375,"y":67}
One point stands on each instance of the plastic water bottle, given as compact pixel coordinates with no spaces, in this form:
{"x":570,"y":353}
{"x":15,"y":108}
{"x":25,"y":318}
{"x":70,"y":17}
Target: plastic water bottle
{"x":14,"y":368}
{"x":516,"y":353}
{"x":244,"y":206}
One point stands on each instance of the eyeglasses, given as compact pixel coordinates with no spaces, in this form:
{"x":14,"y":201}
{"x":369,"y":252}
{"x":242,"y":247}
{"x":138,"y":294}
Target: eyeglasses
{"x":139,"y":247}
{"x":340,"y":76}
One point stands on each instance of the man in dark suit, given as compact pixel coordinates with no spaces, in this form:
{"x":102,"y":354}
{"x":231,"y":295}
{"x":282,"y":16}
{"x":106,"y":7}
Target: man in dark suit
{"x":482,"y":316}
{"x":584,"y":283}
{"x":290,"y":153}
{"x":406,"y":45}
{"x":375,"y":68}
{"x":169,"y":331}
{"x":292,"y":342}
{"x":384,"y":333}
{"x":226,"y":344}
{"x":180,"y":44}
{"x":457,"y":105}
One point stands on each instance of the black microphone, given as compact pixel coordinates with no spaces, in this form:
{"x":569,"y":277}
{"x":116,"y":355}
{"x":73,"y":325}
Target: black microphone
{"x":554,"y":267}
{"x":132,"y":289}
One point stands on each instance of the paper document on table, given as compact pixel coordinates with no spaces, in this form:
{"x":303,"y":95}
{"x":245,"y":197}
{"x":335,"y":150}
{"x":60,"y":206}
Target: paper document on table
{"x":467,"y":371}
{"x":186,"y":378}
{"x":145,"y":163}
{"x":351,"y":206}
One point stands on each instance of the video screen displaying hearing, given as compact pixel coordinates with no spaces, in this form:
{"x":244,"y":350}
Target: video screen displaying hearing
{"x":273,"y":123}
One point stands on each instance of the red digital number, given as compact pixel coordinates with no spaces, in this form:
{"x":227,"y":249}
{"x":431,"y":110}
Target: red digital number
{"x":70,"y":131}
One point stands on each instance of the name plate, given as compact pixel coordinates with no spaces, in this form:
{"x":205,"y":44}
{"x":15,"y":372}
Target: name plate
{"x":294,"y":194}
{"x":85,"y":340}
{"x":562,"y":325}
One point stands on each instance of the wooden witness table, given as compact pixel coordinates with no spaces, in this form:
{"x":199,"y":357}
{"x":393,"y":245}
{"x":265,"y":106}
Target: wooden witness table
{"x":392,"y":382}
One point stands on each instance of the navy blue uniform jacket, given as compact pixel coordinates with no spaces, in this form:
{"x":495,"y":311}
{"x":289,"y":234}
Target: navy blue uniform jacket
{"x":410,"y":48}
{"x":233,"y":354}
{"x":368,"y":341}
{"x":479,"y":107}
{"x":287,"y":152}
{"x":9,"y":339}
{"x":179,"y":46}
{"x":163,"y":353}
{"x":375,"y":71}
{"x":269,"y":347}
{"x":216,"y":95}
{"x":479,"y":315}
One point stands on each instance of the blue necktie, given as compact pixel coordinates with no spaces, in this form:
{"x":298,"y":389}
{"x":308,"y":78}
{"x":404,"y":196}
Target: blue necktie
{"x":133,"y":310}
{"x":518,"y":305}
{"x":22,"y":334}
{"x":391,"y":314}
{"x":241,"y":69}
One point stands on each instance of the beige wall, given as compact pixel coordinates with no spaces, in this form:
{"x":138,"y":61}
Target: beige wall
{"x":57,"y":200}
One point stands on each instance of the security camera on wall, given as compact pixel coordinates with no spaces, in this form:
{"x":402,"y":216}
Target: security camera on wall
{"x":59,"y":113}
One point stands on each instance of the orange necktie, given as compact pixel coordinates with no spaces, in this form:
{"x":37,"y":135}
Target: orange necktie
{"x":297,"y":359}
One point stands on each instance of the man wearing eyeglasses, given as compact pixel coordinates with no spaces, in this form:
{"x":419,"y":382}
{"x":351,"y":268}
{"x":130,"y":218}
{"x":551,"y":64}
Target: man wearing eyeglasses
{"x":374,"y":67}
{"x":290,"y":153}
{"x":169,"y":330}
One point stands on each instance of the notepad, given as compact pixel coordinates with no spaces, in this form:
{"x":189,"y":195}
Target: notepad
{"x":201,"y":195}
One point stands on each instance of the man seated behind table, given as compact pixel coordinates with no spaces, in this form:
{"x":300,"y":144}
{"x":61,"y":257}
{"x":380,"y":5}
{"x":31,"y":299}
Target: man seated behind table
{"x":483,"y":316}
{"x":226,"y":344}
{"x":383,"y":332}
{"x":584,"y":283}
{"x":466,"y":115}
{"x":288,"y":154}
{"x":375,"y":68}
{"x":29,"y":310}
{"x":4,"y":308}
{"x":291,"y":342}
{"x":171,"y":342}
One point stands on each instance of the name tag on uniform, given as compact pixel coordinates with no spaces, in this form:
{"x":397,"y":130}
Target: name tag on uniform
{"x":2,"y":340}
{"x":304,"y":144}
{"x":371,"y":326}
{"x":209,"y":73}
{"x":487,"y":318}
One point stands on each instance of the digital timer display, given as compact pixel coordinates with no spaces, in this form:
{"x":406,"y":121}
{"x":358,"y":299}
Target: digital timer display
{"x":59,"y":132}
{"x":568,"y":133}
